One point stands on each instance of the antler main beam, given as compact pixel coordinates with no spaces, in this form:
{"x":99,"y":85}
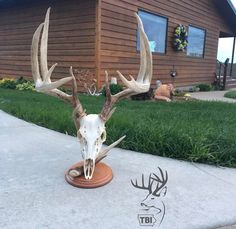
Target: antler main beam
{"x":41,"y":73}
{"x":141,"y":85}
{"x":161,"y":182}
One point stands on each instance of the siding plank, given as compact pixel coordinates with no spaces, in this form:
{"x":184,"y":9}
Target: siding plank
{"x":118,"y":41}
{"x":71,"y":36}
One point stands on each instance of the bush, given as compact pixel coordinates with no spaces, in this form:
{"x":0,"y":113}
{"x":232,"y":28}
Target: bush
{"x":21,"y":80}
{"x":115,"y":88}
{"x":27,"y":86}
{"x":144,"y":96}
{"x":19,"y":84}
{"x":204,"y":87}
{"x":8,"y":83}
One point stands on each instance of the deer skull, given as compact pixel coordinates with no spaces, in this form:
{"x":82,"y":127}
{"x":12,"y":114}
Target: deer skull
{"x":91,"y":135}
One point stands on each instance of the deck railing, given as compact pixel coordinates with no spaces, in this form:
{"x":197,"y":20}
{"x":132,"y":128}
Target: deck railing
{"x":222,"y":76}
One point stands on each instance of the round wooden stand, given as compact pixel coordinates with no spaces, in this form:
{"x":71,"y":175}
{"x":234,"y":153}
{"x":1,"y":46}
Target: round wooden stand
{"x":101,"y":176}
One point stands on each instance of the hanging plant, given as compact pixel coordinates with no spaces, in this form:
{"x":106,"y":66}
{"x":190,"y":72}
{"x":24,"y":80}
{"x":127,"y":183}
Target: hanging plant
{"x":180,"y":38}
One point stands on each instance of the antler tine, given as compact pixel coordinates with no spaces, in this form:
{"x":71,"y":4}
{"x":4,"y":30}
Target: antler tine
{"x":43,"y":82}
{"x":106,"y":110}
{"x":164,"y":178}
{"x":34,"y":56}
{"x":44,"y":47}
{"x":141,"y":85}
{"x":145,"y":71}
{"x":150,"y":182}
{"x":103,"y":153}
{"x":148,"y":187}
{"x":160,"y":182}
{"x":135,"y":185}
{"x":75,"y":100}
{"x":78,"y":112}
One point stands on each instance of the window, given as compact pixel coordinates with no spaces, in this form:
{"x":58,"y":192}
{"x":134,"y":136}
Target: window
{"x":155,"y":28}
{"x":196,"y":41}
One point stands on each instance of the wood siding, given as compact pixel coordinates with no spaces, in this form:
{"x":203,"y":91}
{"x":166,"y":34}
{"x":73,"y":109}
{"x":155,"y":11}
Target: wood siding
{"x":118,"y":39}
{"x":99,"y":35}
{"x":71,"y":36}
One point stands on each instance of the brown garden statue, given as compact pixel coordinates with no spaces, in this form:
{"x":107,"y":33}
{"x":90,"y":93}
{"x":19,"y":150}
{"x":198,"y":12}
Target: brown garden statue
{"x":164,"y":92}
{"x":91,"y":130}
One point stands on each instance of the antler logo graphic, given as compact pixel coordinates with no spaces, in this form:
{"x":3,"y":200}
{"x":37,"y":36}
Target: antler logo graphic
{"x":152,"y":205}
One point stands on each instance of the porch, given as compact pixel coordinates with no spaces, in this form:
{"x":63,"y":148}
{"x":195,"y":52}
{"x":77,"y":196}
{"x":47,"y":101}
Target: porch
{"x":226,"y":60}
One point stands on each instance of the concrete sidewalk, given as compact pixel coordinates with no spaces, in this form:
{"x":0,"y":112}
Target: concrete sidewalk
{"x":34,"y":194}
{"x":212,"y":96}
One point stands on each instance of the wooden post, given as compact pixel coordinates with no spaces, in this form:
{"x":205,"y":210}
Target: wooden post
{"x":232,"y":59}
{"x":225,"y":72}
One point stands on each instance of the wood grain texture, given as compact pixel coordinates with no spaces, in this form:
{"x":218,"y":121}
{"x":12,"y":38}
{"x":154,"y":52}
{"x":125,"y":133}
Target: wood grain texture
{"x":71,"y":36}
{"x":118,"y":39}
{"x":100,"y":35}
{"x":98,"y":43}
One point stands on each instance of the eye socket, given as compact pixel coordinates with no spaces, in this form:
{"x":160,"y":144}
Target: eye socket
{"x":104,"y":136}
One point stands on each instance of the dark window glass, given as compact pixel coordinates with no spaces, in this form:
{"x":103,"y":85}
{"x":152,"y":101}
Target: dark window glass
{"x":196,"y":41}
{"x":155,"y":28}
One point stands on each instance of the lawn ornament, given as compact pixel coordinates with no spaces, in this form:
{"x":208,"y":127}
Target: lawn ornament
{"x":164,"y":92}
{"x":91,"y":130}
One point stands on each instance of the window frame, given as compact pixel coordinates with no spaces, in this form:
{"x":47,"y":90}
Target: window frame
{"x":166,"y":35}
{"x":204,"y":45}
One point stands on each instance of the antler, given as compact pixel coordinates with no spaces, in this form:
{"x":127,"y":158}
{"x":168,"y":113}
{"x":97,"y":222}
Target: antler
{"x":148,"y":187}
{"x":43,"y":81}
{"x":162,"y":182}
{"x":141,"y":85}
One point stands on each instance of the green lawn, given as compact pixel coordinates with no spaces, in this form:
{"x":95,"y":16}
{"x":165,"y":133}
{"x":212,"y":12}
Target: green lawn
{"x":230,"y":94}
{"x":195,"y":131}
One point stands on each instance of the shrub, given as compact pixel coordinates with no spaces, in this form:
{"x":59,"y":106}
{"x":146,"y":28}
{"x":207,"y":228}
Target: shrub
{"x":204,"y":87}
{"x":179,"y":93}
{"x":8,"y":83}
{"x":115,"y":88}
{"x":27,"y":86}
{"x":19,"y":84}
{"x":144,"y":96}
{"x":21,"y":80}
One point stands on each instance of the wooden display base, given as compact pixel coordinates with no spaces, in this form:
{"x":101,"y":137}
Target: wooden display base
{"x":101,"y":176}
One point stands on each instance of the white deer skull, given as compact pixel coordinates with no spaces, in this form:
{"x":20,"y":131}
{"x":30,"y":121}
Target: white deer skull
{"x":91,"y":134}
{"x":90,"y":128}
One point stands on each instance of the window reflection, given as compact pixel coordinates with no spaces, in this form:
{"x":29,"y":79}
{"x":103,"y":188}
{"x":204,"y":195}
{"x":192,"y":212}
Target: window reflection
{"x":196,"y":41}
{"x":155,"y":28}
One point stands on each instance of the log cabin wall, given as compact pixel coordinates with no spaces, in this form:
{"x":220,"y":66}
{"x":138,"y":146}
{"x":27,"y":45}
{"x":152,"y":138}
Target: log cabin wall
{"x":71,"y":36}
{"x":118,"y":39}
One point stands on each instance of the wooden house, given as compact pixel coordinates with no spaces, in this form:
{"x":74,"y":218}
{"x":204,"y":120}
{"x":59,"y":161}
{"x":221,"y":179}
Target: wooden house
{"x":98,"y":35}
